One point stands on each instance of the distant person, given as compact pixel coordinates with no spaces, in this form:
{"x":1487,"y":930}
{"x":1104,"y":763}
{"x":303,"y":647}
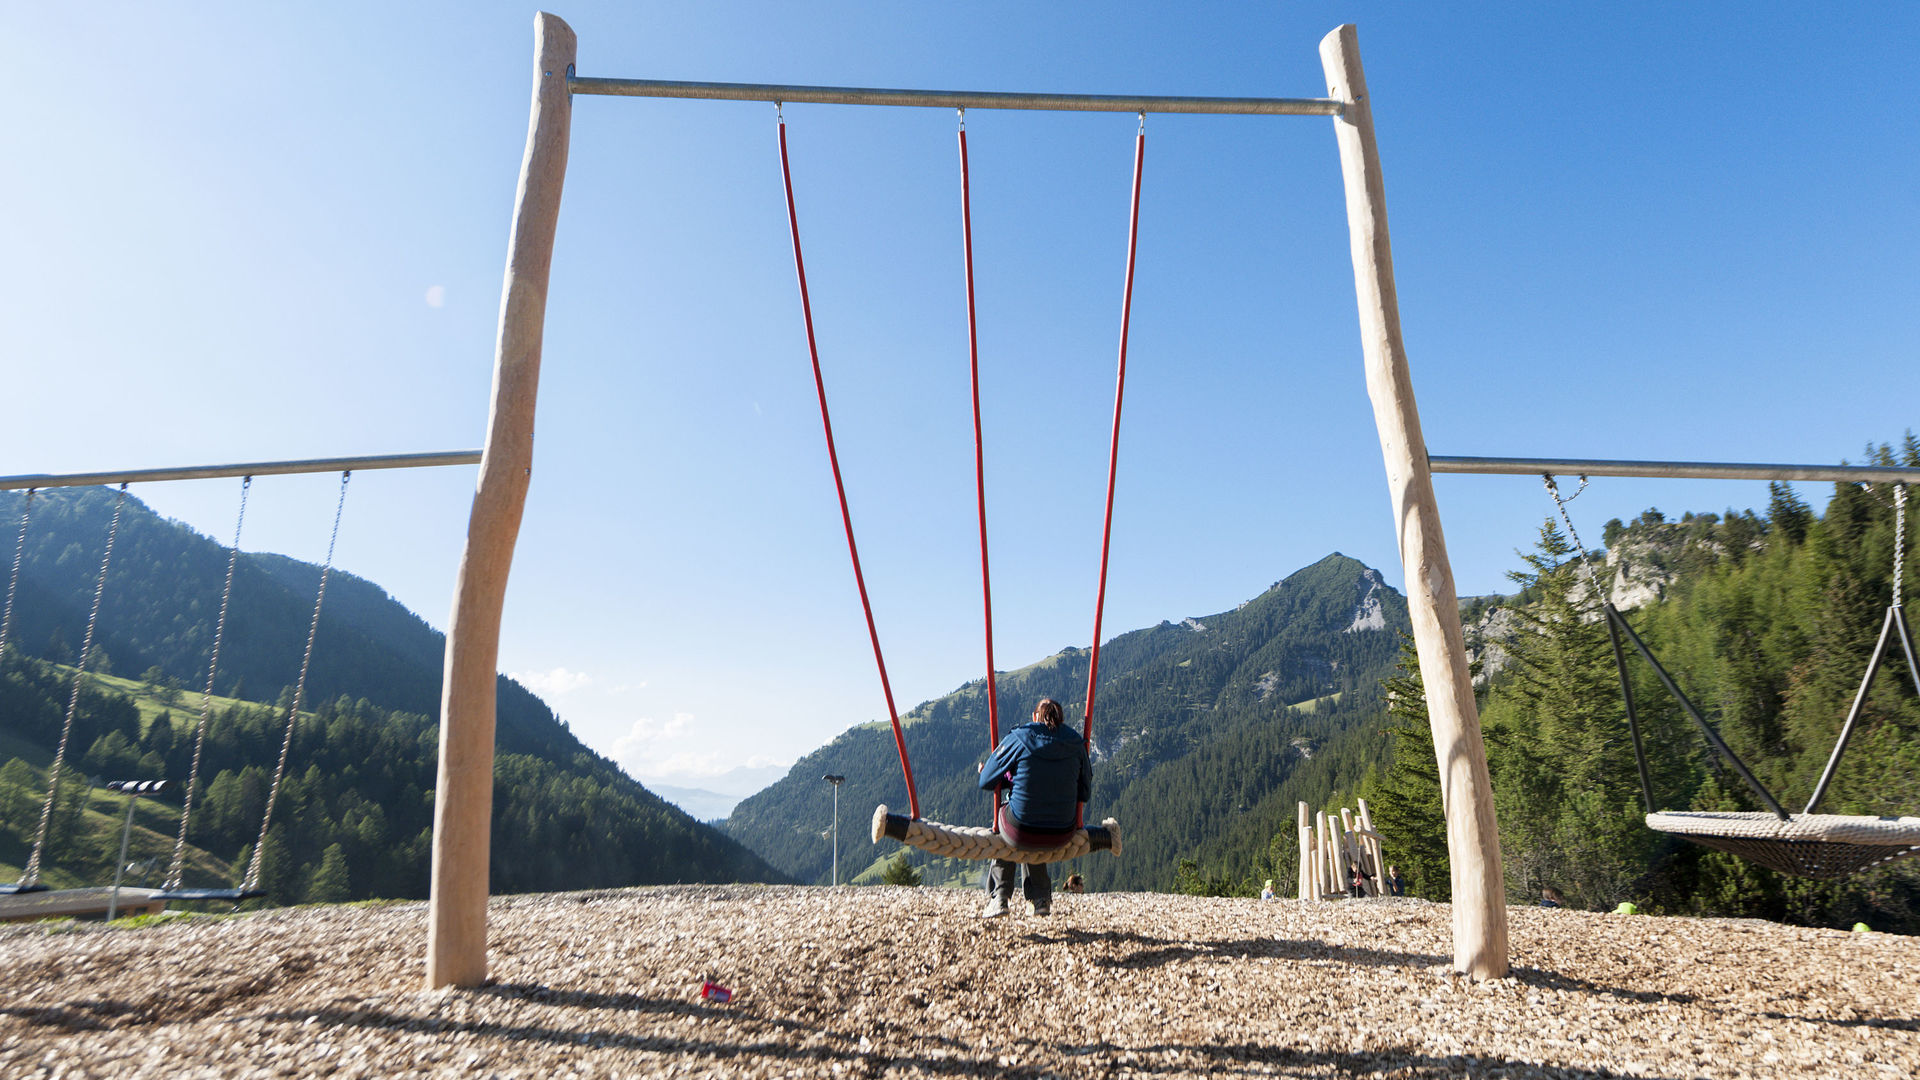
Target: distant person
{"x":1049,"y":778}
{"x":1396,"y":886}
{"x":1550,"y":897}
{"x":1358,"y":886}
{"x":1076,"y":884}
{"x":1266,"y":891}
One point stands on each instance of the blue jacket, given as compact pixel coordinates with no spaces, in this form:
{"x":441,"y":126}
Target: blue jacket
{"x":1051,"y":774}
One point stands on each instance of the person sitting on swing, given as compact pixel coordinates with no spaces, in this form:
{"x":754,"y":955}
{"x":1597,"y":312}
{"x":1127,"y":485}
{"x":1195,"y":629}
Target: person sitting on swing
{"x":1049,"y":777}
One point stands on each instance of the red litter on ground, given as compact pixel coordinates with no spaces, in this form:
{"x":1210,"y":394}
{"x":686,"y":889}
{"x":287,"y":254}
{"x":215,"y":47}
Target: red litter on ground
{"x":713,"y":991}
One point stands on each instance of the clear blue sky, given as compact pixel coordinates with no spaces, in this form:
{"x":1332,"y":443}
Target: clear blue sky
{"x":242,"y":231}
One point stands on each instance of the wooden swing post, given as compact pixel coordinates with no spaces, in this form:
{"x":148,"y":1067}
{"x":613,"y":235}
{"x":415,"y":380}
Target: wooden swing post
{"x":463,"y":795}
{"x":1473,"y":836}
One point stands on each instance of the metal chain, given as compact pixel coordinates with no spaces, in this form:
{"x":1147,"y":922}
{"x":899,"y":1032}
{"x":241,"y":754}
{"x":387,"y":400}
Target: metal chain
{"x":1560,"y":502}
{"x":177,"y":867}
{"x":1899,"y":539}
{"x":299,"y":692}
{"x":13,"y":580}
{"x":32,"y":874}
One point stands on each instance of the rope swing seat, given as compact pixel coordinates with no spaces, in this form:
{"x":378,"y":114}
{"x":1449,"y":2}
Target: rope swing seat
{"x":1824,"y":847}
{"x":958,"y":841}
{"x":980,"y":842}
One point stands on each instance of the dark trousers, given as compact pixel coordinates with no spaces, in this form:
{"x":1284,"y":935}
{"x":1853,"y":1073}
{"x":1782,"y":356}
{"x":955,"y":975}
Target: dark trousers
{"x":1037,"y":888}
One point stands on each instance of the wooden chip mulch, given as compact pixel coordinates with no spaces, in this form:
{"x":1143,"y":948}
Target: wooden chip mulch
{"x":909,"y":982}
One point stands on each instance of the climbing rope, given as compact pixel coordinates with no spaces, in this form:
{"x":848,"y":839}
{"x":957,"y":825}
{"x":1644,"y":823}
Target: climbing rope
{"x":13,"y":579}
{"x":1113,"y":449}
{"x":846,"y":517}
{"x":178,"y":866}
{"x":31,"y":876}
{"x":252,"y":880}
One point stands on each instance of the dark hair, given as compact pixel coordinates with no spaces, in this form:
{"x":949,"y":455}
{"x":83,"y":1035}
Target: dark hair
{"x":1049,"y":712}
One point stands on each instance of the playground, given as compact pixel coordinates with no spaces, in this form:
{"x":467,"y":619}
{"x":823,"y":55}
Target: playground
{"x":896,"y":982}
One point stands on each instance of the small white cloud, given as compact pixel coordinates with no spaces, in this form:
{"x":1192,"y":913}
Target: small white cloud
{"x":553,"y":683}
{"x":436,"y":295}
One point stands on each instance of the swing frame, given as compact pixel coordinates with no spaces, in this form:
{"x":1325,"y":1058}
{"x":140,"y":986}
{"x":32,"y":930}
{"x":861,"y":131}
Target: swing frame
{"x":1820,"y":846}
{"x":70,"y":902}
{"x":457,"y":909}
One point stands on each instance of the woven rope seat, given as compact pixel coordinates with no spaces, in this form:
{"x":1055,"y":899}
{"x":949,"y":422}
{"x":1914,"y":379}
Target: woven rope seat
{"x":1825,"y":846}
{"x":971,"y":842}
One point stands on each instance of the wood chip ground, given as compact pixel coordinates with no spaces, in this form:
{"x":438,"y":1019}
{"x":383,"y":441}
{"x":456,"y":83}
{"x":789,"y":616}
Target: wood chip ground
{"x":902,"y":982}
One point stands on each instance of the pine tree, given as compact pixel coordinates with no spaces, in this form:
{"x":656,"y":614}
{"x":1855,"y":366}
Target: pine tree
{"x":18,"y":797}
{"x":1565,"y":783}
{"x":328,"y":885}
{"x":1405,"y":800}
{"x":1786,"y":513}
{"x":899,"y":871}
{"x":277,"y":875}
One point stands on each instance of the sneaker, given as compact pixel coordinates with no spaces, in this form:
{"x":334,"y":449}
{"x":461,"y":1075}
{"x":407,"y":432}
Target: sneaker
{"x":1043,"y":910}
{"x":996,"y":908}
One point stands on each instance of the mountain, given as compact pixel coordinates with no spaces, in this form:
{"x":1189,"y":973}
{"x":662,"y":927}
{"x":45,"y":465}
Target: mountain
{"x":564,"y":817}
{"x":1205,"y":735}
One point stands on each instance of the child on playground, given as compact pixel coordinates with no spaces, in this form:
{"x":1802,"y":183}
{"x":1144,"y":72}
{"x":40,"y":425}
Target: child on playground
{"x":1049,"y":777}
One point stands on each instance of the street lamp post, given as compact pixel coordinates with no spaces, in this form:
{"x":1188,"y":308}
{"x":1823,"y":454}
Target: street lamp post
{"x":835,"y":781}
{"x":134,"y":789}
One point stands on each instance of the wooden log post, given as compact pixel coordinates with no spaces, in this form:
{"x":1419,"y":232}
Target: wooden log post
{"x":1329,"y":872}
{"x":463,"y":796}
{"x":1306,"y":857}
{"x":1473,"y":836}
{"x":1373,"y":845}
{"x":1355,"y":851}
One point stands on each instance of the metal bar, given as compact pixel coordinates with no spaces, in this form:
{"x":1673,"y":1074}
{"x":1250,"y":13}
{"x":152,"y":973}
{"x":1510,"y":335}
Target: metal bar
{"x":256,"y":468}
{"x":1853,"y":714}
{"x":1906,"y":643}
{"x":1675,"y":470}
{"x":953,"y":99}
{"x":1633,"y":717}
{"x":1713,"y":737}
{"x":119,"y":868}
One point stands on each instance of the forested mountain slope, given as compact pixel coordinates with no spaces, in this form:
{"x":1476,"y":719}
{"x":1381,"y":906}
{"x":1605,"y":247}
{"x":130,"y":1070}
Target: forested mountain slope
{"x":1203,"y":734}
{"x":363,"y":761}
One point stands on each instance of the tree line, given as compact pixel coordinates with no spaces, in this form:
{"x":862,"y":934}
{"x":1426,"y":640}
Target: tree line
{"x":1767,"y":622}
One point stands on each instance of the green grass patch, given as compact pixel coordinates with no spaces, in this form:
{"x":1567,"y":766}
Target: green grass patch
{"x":88,"y":857}
{"x":182,"y":705}
{"x":1314,"y":705}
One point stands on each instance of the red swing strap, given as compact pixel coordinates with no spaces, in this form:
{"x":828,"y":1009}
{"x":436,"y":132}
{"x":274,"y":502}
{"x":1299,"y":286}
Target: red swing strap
{"x":979,"y":458}
{"x":979,"y":453}
{"x":1113,"y":450}
{"x":846,"y":518}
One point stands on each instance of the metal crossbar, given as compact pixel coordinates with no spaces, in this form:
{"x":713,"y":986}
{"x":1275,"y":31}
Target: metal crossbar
{"x":1677,"y":470}
{"x":255,"y":468}
{"x":953,"y":99}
